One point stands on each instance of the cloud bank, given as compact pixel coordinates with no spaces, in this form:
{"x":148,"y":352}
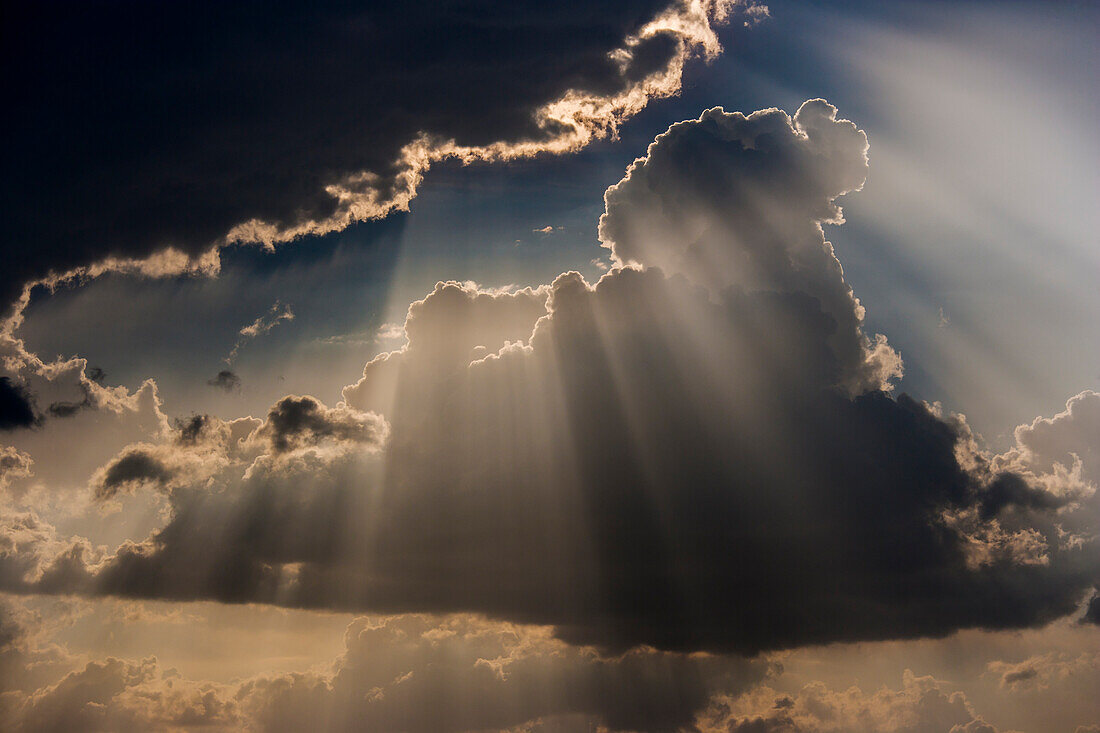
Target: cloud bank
{"x":413,"y":673}
{"x":697,"y":453}
{"x":223,"y":123}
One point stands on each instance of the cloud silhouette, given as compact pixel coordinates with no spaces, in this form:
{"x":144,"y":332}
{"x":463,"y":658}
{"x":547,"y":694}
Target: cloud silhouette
{"x":703,"y":458}
{"x":226,"y":380}
{"x":16,"y":406}
{"x":202,"y":126}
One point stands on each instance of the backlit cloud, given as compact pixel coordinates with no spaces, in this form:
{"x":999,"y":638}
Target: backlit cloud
{"x":389,"y":91}
{"x":704,"y":459}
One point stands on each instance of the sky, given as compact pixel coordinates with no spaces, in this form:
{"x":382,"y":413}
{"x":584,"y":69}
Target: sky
{"x":705,"y":365}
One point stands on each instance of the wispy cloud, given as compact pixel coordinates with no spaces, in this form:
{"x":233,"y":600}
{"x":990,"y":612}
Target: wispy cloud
{"x":263,"y":324}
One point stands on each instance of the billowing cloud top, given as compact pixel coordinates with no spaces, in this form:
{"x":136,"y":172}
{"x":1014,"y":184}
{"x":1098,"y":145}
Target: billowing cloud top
{"x":736,"y":201}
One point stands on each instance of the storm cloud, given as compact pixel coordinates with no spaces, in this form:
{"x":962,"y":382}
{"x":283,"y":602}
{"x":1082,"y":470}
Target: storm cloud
{"x":174,"y":130}
{"x":693,"y":461}
{"x":16,"y":406}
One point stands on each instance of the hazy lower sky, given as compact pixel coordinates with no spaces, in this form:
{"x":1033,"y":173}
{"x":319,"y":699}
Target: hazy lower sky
{"x":705,"y":365}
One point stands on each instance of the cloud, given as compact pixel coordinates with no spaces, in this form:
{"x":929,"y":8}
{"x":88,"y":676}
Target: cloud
{"x":920,"y":705}
{"x":28,"y":660}
{"x":226,"y":380}
{"x":68,"y":386}
{"x":460,"y":673}
{"x":412,"y":673}
{"x":69,"y":408}
{"x":192,"y":134}
{"x":736,"y":201}
{"x":296,"y":422}
{"x":1064,"y":440}
{"x":1092,"y":613}
{"x":200,"y":447}
{"x":700,"y":459}
{"x":87,"y":421}
{"x":1041,"y":671}
{"x":452,"y":326}
{"x":14,"y":464}
{"x":390,"y":332}
{"x":16,"y":406}
{"x":120,"y":695}
{"x":133,"y":467}
{"x":263,"y":324}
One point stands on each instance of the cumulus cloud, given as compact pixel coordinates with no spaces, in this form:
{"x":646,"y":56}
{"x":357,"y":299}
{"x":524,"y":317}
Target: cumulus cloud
{"x":1041,"y":671}
{"x":454,"y":325}
{"x":14,"y":464}
{"x":736,"y":201}
{"x":164,"y":170}
{"x":697,"y":459}
{"x":34,"y":556}
{"x":92,"y":421}
{"x":119,"y":695}
{"x":203,"y":446}
{"x":920,"y":705}
{"x":1064,"y":443}
{"x":390,"y":332}
{"x":296,"y":422}
{"x":200,"y":448}
{"x":16,"y":406}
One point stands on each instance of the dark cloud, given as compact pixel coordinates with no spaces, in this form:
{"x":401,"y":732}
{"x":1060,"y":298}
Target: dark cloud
{"x":66,"y":408}
{"x":692,"y":461}
{"x":739,"y":201}
{"x":226,"y":380}
{"x":16,"y":406}
{"x":602,"y":480}
{"x":1092,"y":613}
{"x":1017,"y":676}
{"x":296,"y":422}
{"x":143,"y":127}
{"x":131,"y":469}
{"x":407,"y":673}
